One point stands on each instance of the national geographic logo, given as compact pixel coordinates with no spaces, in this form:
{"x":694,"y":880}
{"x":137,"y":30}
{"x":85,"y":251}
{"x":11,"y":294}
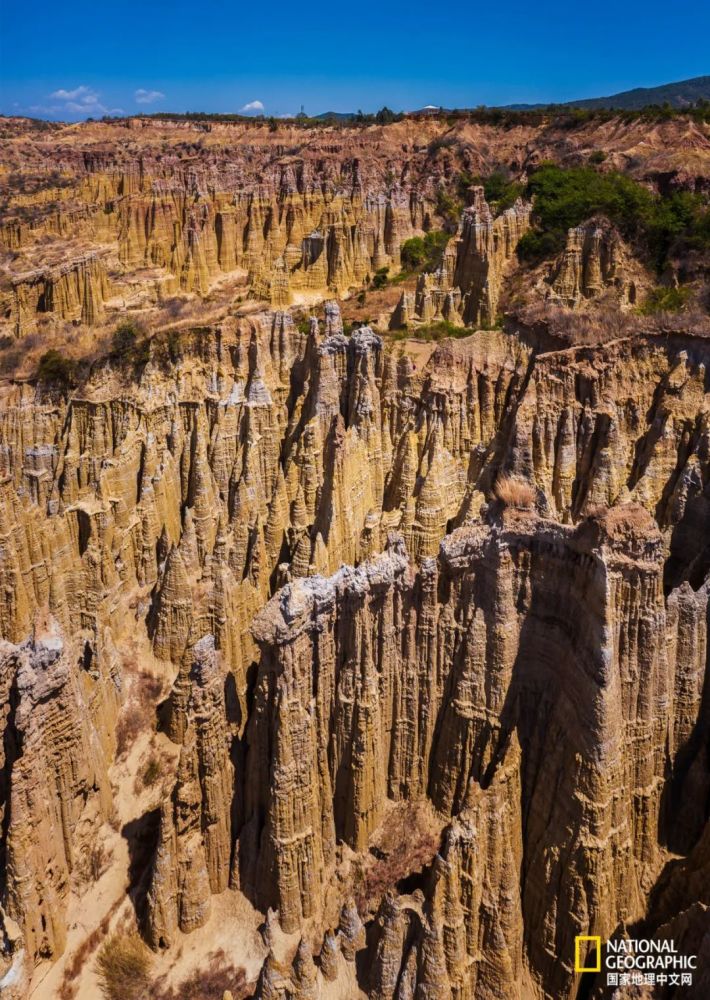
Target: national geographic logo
{"x":634,"y":961}
{"x":587,"y":953}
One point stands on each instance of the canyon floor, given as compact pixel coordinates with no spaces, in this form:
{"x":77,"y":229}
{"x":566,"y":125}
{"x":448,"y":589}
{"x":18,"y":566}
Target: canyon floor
{"x":354,"y":556}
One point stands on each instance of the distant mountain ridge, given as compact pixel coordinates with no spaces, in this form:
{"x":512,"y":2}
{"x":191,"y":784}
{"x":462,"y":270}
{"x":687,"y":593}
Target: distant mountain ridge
{"x":679,"y":95}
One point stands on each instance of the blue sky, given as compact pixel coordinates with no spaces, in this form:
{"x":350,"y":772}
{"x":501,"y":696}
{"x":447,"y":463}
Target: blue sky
{"x":70,"y":61}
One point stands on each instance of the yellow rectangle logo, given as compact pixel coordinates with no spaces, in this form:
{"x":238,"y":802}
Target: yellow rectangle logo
{"x":580,"y":954}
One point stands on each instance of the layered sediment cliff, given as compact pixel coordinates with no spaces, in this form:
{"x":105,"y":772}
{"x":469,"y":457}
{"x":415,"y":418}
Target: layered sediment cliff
{"x":595,"y":261}
{"x":72,"y":291}
{"x":394,"y":683}
{"x":466,"y":289}
{"x":377,"y":666}
{"x":139,"y":211}
{"x":519,"y":672}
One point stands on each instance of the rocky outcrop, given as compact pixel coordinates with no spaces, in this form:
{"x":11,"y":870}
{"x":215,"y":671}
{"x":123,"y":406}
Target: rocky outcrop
{"x":467,"y":287}
{"x":283,"y":227}
{"x":179,"y":895}
{"x":75,"y":290}
{"x":194,"y":853}
{"x":595,"y":260}
{"x":235,"y":209}
{"x":306,"y":538}
{"x":57,"y":745}
{"x":414,"y":636}
{"x":420,"y":671}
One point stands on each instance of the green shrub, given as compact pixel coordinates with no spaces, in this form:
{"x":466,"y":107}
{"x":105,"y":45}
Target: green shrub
{"x":448,"y":207}
{"x":380,"y":278}
{"x":564,"y":198}
{"x":130,"y":345}
{"x":413,"y":253}
{"x":55,"y":368}
{"x":424,"y":252}
{"x":598,"y":156}
{"x":125,"y":338}
{"x":680,"y":222}
{"x":536,"y":245}
{"x":441,"y":330}
{"x":666,"y":300}
{"x":500,"y":191}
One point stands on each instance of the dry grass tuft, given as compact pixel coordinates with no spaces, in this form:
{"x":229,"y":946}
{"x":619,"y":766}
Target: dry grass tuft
{"x":152,"y":772}
{"x":149,"y":775}
{"x":405,"y":849}
{"x":603,"y":322}
{"x":138,"y":714}
{"x":123,"y":966}
{"x":515,"y":492}
{"x":92,"y":864}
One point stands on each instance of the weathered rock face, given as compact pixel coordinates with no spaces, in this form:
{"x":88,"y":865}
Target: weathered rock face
{"x":193,"y":857}
{"x":595,"y":260}
{"x":75,"y":290}
{"x":466,"y":289}
{"x":55,"y":724}
{"x":523,"y":683}
{"x":288,"y":216}
{"x":577,"y":444}
{"x":284,"y":227}
{"x":298,"y":530}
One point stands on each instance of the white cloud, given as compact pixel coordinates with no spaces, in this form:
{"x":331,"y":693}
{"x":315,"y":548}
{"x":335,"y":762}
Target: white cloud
{"x":81,"y":100}
{"x":253,"y":106}
{"x":82,"y":94}
{"x":142,"y":96}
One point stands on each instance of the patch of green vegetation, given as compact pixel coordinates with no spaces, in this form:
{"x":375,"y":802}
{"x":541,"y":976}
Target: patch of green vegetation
{"x":448,"y":207}
{"x":173,"y":344}
{"x":424,"y":253}
{"x":440,"y":331}
{"x":666,"y":300}
{"x":564,"y":198}
{"x":56,"y":369}
{"x":129,"y":344}
{"x":537,"y":245}
{"x":598,"y":156}
{"x":385,"y":116}
{"x":680,"y":223}
{"x":379,"y":279}
{"x":500,"y":190}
